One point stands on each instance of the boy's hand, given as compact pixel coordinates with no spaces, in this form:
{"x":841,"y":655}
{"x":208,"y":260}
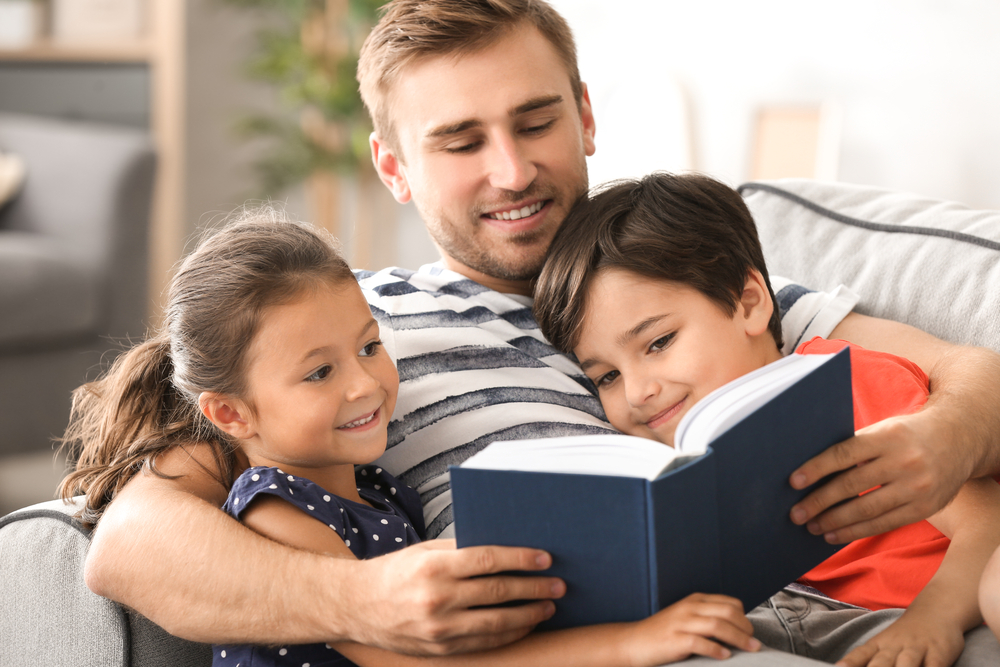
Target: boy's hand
{"x":911,"y":641}
{"x":688,"y":628}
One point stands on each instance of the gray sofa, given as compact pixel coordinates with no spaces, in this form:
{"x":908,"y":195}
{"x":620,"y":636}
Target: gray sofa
{"x":931,"y":264}
{"x":73,"y":265}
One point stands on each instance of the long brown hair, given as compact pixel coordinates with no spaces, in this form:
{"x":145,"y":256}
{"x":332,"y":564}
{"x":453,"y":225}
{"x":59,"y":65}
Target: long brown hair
{"x":147,"y":402}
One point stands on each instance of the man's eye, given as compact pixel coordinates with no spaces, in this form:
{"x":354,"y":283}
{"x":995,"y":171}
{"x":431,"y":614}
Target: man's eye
{"x":371,"y":348}
{"x":607,"y":379}
{"x":661,"y":342}
{"x":463,"y":148}
{"x":538,"y":129}
{"x":320,"y":373}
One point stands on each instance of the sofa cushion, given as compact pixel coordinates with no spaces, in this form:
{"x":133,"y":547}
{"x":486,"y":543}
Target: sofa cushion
{"x":50,"y":617}
{"x":932,"y":264}
{"x":53,"y":295}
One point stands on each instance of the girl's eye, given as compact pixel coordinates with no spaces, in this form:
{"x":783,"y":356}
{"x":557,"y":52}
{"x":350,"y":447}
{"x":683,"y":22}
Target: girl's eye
{"x":606,"y":379}
{"x":320,"y":373}
{"x":661,"y":342}
{"x":371,"y":348}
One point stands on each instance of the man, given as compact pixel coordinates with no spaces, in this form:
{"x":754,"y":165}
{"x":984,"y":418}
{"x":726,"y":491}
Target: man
{"x":486,"y":129}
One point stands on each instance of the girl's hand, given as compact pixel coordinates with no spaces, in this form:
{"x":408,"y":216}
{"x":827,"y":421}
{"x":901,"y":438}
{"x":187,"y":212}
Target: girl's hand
{"x":911,"y":641}
{"x":688,"y":628}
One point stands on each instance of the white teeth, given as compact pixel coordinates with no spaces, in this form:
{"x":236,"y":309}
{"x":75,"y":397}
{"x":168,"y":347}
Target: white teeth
{"x":518,"y":213}
{"x":360,"y":422}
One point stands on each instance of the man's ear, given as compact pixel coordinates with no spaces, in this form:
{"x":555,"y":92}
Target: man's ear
{"x":229,"y":414}
{"x":389,"y":169}
{"x":587,"y":118}
{"x":755,"y":305}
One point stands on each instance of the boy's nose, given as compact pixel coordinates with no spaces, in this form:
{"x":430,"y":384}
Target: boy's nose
{"x":639,"y":389}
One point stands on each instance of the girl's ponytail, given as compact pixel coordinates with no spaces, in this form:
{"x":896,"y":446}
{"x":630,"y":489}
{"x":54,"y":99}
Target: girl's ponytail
{"x":121,"y":422}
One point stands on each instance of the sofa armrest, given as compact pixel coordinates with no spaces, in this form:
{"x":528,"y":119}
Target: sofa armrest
{"x":50,"y":617}
{"x":89,"y":188}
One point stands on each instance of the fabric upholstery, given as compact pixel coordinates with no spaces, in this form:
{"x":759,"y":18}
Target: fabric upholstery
{"x":928,"y":263}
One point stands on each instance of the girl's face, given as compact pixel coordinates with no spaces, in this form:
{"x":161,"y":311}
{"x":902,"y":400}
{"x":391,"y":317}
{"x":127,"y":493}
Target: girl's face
{"x":322,"y":386}
{"x":654,"y":348}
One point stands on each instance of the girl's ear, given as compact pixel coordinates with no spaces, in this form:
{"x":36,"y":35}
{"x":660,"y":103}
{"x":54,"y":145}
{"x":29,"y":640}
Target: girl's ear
{"x":756,"y":304}
{"x":229,"y":414}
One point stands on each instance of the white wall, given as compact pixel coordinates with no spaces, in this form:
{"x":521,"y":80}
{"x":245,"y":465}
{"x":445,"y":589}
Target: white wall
{"x":918,"y":81}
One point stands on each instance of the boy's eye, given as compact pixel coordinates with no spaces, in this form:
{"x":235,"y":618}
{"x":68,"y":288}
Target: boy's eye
{"x":606,"y":379}
{"x":320,"y":373}
{"x":661,"y":342}
{"x":370,"y":349}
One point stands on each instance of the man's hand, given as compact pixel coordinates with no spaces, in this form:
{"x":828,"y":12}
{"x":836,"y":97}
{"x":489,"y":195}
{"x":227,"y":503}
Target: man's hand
{"x":423,"y":599}
{"x":915,"y":472}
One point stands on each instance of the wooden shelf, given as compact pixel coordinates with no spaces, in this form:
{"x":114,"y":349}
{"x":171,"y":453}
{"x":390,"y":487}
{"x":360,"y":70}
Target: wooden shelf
{"x":137,"y":51}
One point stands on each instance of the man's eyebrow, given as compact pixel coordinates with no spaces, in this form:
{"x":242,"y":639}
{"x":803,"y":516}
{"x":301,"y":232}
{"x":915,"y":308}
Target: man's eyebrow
{"x":536,"y":103}
{"x":464,"y":125}
{"x":454,"y":128}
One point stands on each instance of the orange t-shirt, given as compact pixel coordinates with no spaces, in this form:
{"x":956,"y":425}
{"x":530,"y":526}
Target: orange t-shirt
{"x":887,"y":570}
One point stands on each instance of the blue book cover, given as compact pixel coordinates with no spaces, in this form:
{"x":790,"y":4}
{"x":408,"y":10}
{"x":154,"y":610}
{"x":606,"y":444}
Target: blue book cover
{"x":715,"y":523}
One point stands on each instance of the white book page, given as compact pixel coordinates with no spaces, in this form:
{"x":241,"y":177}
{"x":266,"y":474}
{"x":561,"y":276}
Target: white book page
{"x":728,"y":405}
{"x":616,"y":455}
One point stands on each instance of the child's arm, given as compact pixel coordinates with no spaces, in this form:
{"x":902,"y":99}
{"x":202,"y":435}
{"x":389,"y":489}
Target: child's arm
{"x":931,"y":631}
{"x":683,"y":629}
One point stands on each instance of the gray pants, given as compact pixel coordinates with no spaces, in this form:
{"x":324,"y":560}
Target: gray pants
{"x":799,"y":630}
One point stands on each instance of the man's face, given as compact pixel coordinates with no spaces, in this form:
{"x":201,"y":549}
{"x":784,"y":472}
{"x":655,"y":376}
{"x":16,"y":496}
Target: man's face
{"x":492,"y":149}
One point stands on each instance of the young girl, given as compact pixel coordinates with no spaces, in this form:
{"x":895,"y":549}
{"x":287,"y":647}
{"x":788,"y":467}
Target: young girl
{"x":270,"y":353}
{"x":659,"y":288}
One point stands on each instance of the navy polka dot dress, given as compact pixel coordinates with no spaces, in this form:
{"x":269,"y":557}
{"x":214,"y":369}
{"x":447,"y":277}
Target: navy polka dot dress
{"x":393,"y":521}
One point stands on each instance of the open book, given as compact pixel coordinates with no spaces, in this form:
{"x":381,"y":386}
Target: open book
{"x":634,"y":525}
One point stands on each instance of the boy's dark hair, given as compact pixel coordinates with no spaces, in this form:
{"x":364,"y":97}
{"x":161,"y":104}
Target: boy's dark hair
{"x":688,"y":229}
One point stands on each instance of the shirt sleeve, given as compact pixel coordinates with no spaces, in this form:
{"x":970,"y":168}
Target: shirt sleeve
{"x":807,"y":313}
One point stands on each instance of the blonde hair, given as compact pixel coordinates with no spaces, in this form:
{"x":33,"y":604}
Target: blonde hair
{"x":147,"y":402}
{"x":413,"y":29}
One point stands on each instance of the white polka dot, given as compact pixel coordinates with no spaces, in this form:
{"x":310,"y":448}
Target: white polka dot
{"x":378,"y":486}
{"x":378,"y":471}
{"x":305,"y":664}
{"x":310,"y":507}
{"x":399,"y":539}
{"x":328,"y":646}
{"x":405,"y":526}
{"x":392,"y":490}
{"x":364,"y":472}
{"x":347,"y":542}
{"x":354,"y":529}
{"x":223,"y":654}
{"x":273,"y":486}
{"x":332,"y":526}
{"x":280,"y":471}
{"x":290,"y":492}
{"x":291,"y":479}
{"x":375,"y":537}
{"x":255,"y":477}
{"x":385,"y":522}
{"x":326,"y":498}
{"x":236,"y":501}
{"x":283,"y":651}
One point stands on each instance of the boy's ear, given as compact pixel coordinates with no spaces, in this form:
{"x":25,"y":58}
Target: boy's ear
{"x":229,"y":414}
{"x":756,"y":304}
{"x":390,"y":169}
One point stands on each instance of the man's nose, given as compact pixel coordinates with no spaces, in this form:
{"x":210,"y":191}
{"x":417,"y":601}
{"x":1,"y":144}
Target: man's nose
{"x":510,"y":168}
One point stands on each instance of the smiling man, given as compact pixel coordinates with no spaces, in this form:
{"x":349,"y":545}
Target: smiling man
{"x":482,"y":121}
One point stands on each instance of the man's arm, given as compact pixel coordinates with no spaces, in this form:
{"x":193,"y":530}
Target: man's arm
{"x":164,"y":549}
{"x":919,"y":461}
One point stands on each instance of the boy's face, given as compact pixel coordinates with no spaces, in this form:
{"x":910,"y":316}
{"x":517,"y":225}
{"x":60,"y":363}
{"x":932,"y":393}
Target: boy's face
{"x":492,"y":150}
{"x":654,"y":348}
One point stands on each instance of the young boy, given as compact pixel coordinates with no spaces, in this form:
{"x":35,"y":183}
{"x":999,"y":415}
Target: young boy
{"x":659,"y":288}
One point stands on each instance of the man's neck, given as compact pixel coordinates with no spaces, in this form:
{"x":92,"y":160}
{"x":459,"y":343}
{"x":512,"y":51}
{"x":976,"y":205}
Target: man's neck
{"x":520,"y":287}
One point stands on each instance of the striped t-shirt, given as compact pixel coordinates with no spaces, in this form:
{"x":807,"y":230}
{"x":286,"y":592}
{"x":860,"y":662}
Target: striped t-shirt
{"x":474,"y":368}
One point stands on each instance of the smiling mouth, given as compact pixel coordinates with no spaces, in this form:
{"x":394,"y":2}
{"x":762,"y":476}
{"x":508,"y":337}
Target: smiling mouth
{"x":668,"y":414}
{"x":518,"y":213}
{"x":359,"y":422}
